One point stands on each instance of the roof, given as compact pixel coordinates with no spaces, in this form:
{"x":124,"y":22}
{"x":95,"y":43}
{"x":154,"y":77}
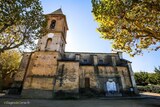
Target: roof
{"x":126,"y":60}
{"x":58,"y":11}
{"x":91,"y":53}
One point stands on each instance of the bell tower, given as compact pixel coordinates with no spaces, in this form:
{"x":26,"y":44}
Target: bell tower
{"x":55,"y":39}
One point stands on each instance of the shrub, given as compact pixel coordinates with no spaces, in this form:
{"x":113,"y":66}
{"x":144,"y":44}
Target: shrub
{"x":149,"y":88}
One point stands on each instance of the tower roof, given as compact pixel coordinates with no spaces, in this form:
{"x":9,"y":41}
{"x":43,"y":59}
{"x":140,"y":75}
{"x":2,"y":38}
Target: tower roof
{"x":58,"y":11}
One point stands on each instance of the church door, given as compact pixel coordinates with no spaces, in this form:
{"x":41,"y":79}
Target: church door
{"x":87,"y":82}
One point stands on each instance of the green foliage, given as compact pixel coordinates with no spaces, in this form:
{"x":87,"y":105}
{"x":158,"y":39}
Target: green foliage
{"x":131,"y":25}
{"x":154,"y":78}
{"x":150,"y":88}
{"x":21,"y":22}
{"x":157,"y":69}
{"x":141,"y":78}
{"x":145,"y":78}
{"x":9,"y":63}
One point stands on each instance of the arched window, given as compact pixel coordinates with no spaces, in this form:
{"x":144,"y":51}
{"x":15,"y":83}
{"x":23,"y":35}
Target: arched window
{"x":53,"y":23}
{"x":48,"y":43}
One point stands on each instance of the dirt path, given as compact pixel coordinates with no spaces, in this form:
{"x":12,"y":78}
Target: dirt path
{"x":150,"y":94}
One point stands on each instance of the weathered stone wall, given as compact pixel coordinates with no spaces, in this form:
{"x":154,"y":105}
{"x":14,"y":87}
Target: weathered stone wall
{"x":86,"y":57}
{"x":56,"y":44}
{"x":88,"y":72}
{"x":37,"y":93}
{"x":122,"y":72}
{"x":41,"y":69}
{"x":106,"y":71}
{"x":23,"y":67}
{"x":67,"y":77}
{"x":70,"y":55}
{"x":60,"y":22}
{"x":58,"y":41}
{"x":43,"y":63}
{"x":132,"y":78}
{"x":46,"y":71}
{"x":42,"y":83}
{"x":101,"y":58}
{"x":125,"y":77}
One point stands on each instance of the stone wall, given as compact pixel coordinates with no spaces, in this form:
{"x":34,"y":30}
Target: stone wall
{"x":48,"y":71}
{"x":43,"y":83}
{"x":37,"y":93}
{"x":67,"y":77}
{"x":88,"y":72}
{"x":23,"y":67}
{"x":125,"y":77}
{"x":41,"y":69}
{"x":102,"y":58}
{"x":119,"y":74}
{"x":106,"y":71}
{"x":56,"y":44}
{"x":43,"y":63}
{"x":60,"y":22}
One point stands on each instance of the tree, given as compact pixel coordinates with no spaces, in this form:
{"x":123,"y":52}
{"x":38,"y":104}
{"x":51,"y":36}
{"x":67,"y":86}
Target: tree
{"x":144,"y":78}
{"x":141,"y":78}
{"x":9,"y":61}
{"x":153,"y":78}
{"x":157,"y":74}
{"x":157,"y":69}
{"x":21,"y":22}
{"x":131,"y":25}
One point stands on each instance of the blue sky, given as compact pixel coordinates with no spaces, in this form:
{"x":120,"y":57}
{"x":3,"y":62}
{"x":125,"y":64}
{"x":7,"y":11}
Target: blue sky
{"x":83,"y":37}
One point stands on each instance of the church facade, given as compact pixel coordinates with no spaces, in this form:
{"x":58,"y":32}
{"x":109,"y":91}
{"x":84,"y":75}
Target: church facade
{"x":50,"y":70}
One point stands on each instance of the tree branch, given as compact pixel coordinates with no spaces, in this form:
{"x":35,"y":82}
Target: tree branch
{"x":153,"y":34}
{"x":6,"y":26}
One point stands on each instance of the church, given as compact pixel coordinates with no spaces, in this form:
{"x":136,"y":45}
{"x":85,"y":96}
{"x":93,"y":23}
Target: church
{"x":49,"y":71}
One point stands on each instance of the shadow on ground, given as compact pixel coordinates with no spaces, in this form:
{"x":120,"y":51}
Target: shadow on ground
{"x":145,"y":100}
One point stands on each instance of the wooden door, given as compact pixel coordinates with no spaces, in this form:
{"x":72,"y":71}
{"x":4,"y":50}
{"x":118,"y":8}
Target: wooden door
{"x":87,"y":82}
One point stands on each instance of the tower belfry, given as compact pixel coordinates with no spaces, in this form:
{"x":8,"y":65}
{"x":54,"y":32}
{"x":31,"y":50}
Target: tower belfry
{"x":57,"y":27}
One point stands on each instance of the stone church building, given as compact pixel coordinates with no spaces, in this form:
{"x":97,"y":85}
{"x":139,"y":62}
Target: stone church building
{"x":50,"y":70}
